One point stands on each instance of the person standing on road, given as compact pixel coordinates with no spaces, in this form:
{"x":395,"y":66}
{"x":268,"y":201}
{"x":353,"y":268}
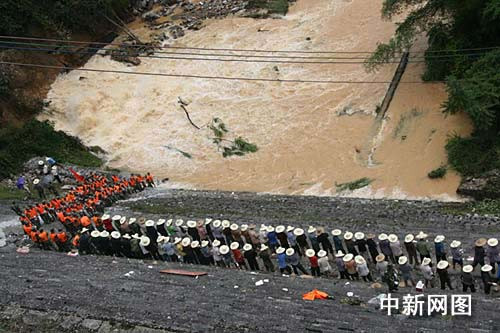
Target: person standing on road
{"x":444,"y":277}
{"x":372,"y":247}
{"x":381,"y":265}
{"x":427,"y":272}
{"x":301,"y":239}
{"x":486,"y":278}
{"x":406,"y":271}
{"x":350,"y":266}
{"x":282,"y":262}
{"x":439,"y":248}
{"x":313,"y":261}
{"x":391,"y":278}
{"x":395,"y":247}
{"x":422,"y":246}
{"x":411,"y":249}
{"x":456,"y":254}
{"x":337,"y":242}
{"x":349,"y":243}
{"x":479,"y":252}
{"x":339,"y":261}
{"x":251,"y":257}
{"x":492,"y":252}
{"x":313,"y":239}
{"x":468,"y":279}
{"x":324,"y":241}
{"x":293,"y":260}
{"x":362,"y":268}
{"x":324,"y":265}
{"x":361,"y":244}
{"x":265,"y":255}
{"x":385,"y":247}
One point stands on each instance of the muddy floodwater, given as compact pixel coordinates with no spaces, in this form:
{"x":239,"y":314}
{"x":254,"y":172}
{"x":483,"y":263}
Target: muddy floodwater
{"x":310,"y":136}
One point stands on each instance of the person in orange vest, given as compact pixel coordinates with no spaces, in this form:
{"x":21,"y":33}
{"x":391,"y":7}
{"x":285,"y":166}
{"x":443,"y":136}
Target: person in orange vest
{"x":53,"y":238}
{"x":43,"y":237}
{"x":62,"y":241}
{"x":76,"y":241}
{"x":85,"y":221}
{"x":149,"y":180}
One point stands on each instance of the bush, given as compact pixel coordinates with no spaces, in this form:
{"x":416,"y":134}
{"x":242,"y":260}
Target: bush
{"x":273,"y":6}
{"x":35,"y":138}
{"x":354,"y":185}
{"x":475,"y":155}
{"x":437,"y":173}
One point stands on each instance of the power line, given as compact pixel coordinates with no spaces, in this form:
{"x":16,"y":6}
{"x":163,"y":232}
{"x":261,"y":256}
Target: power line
{"x":238,"y":55}
{"x":208,"y":77}
{"x":236,"y":50}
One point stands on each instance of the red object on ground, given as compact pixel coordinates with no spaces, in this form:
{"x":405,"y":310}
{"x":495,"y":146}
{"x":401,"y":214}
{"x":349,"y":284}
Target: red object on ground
{"x":182,"y":272}
{"x":77,"y":176}
{"x":315,"y":294}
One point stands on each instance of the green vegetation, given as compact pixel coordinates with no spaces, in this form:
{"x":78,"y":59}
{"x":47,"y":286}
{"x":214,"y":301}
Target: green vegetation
{"x":487,"y":206}
{"x":10,"y":193}
{"x":273,"y":6}
{"x":438,"y":172}
{"x":23,"y":17}
{"x":354,"y":185}
{"x":472,"y":77}
{"x":36,"y":138}
{"x":238,"y":146}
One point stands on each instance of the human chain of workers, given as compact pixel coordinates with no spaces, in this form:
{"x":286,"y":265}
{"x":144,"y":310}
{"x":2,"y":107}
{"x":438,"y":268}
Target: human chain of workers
{"x":214,"y":242}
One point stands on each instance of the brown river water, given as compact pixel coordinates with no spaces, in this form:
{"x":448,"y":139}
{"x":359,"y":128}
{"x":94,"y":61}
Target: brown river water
{"x":305,"y":146}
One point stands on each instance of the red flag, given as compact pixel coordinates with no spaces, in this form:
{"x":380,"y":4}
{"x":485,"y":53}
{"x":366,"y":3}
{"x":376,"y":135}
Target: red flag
{"x":78,"y":177}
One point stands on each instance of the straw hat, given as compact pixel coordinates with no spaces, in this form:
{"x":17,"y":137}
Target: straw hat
{"x":195,"y":244}
{"x":336,"y":232}
{"x":370,"y":236}
{"x":40,"y":162}
{"x":136,"y":236}
{"x":132,"y":220}
{"x":145,"y":241}
{"x":247,"y":247}
{"x":311,"y":229}
{"x":177,"y":240}
{"x":224,"y":249}
{"x":263,"y":247}
{"x":402,"y":260}
{"x":486,"y":268}
{"x":252,"y":226}
{"x":439,"y":239}
{"x":480,"y":242}
{"x":104,"y":233}
{"x":95,"y":233}
{"x":123,"y":220}
{"x":348,"y":235}
{"x":204,"y":243}
{"x":310,"y":253}
{"x":348,"y":257}
{"x":216,"y":242}
{"x":392,"y":238}
{"x":185,"y":241}
{"x":244,"y":227}
{"x":290,"y":251}
{"x":160,"y":239}
{"x":169,"y":222}
{"x":126,"y":236}
{"x":208,"y":221}
{"x":263,"y":228}
{"x":36,"y":181}
{"x":84,"y":230}
{"x":160,"y":222}
{"x":339,"y":254}
{"x":179,"y":222}
{"x":289,"y":228}
{"x":492,"y":242}
{"x":442,"y":264}
{"x":270,"y":229}
{"x":359,"y":260}
{"x":455,"y":244}
{"x":191,"y":224}
{"x":421,"y":235}
{"x":116,"y":218}
{"x":409,"y":238}
{"x":320,"y":230}
{"x":382,"y":237}
{"x":280,"y":250}
{"x":233,"y":227}
{"x":321,"y":253}
{"x":166,"y":239}
{"x":380,"y":258}
{"x":235,"y":245}
{"x":426,"y":261}
{"x":226,"y":223}
{"x":467,"y":268}
{"x":216,"y":223}
{"x":298,"y":231}
{"x":359,"y":235}
{"x":115,"y":235}
{"x":150,"y":223}
{"x":280,"y":228}
{"x":105,"y":217}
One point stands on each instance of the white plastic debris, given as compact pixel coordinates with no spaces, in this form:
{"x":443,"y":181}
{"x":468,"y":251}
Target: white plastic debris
{"x":259,"y":283}
{"x":347,"y":283}
{"x":150,"y":266}
{"x":266,"y":280}
{"x":285,"y":289}
{"x":350,"y":294}
{"x":236,"y":287}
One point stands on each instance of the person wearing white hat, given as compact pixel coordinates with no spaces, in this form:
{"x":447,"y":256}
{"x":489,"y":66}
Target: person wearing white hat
{"x":444,"y":276}
{"x":253,"y":235}
{"x":217,"y":256}
{"x":198,"y":255}
{"x":265,"y":255}
{"x":226,"y":256}
{"x":313,"y":239}
{"x":324,"y":264}
{"x":301,"y":240}
{"x":456,"y":254}
{"x":238,"y":256}
{"x":227,"y":232}
{"x":217,"y":231}
{"x":282,"y":261}
{"x":411,"y":249}
{"x":151,"y":232}
{"x":188,"y":252}
{"x":362,"y":268}
{"x":385,"y":247}
{"x":350,"y":266}
{"x":372,"y":247}
{"x":360,"y":242}
{"x":324,"y":241}
{"x":467,"y":279}
{"x":236,"y":234}
{"x":293,"y":259}
{"x":487,"y":278}
{"x":427,"y":272}
{"x":381,"y":264}
{"x":406,"y":271}
{"x":339,"y":262}
{"x":169,"y":253}
{"x":115,"y":222}
{"x":395,"y":246}
{"x":160,"y":227}
{"x":313,"y":262}
{"x":125,"y":246}
{"x":492,"y":252}
{"x":439,"y":248}
{"x":272,"y":238}
{"x":39,"y":189}
{"x":251,"y":256}
{"x":479,"y":252}
{"x":206,"y":252}
{"x":282,"y":236}
{"x":337,"y":242}
{"x":124,"y":226}
{"x":292,"y":240}
{"x":349,"y":243}
{"x":422,"y":246}
{"x":192,"y":230}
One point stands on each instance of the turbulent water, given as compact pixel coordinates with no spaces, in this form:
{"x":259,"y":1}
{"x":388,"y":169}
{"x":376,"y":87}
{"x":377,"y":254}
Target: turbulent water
{"x":305,"y":146}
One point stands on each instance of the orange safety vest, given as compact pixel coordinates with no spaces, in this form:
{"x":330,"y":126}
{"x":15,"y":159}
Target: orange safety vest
{"x":34,"y":236}
{"x":76,"y":241}
{"x":43,"y":236}
{"x":27,"y":229}
{"x":53,"y":237}
{"x":62,"y":237}
{"x":85,"y":221}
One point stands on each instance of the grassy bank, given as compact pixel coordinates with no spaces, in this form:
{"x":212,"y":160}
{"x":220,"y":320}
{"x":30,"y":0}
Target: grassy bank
{"x":35,"y":138}
{"x":10,"y":193}
{"x":273,"y":6}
